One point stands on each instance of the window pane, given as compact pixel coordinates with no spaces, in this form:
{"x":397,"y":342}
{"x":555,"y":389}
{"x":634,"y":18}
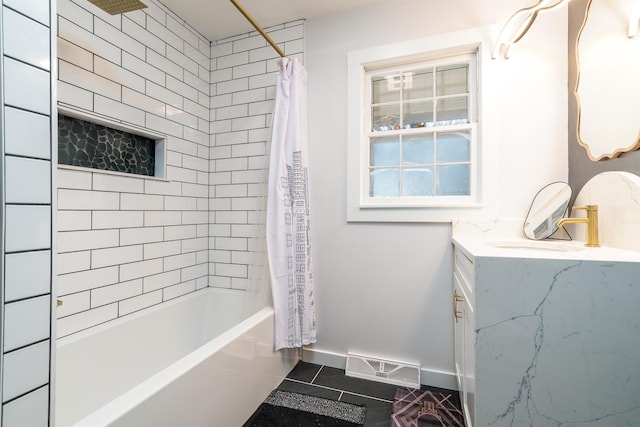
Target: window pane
{"x":454,"y":180}
{"x":417,"y":182}
{"x":420,"y":147}
{"x":385,"y":117}
{"x":385,"y":151}
{"x":418,"y":84}
{"x":417,"y":149}
{"x":384,"y":182}
{"x":452,"y":111}
{"x":418,"y":114}
{"x":385,"y":89}
{"x":451,"y":80}
{"x":453,"y":147}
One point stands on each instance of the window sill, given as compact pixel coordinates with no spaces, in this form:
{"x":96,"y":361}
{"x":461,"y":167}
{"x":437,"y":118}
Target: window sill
{"x":421,"y":214}
{"x":424,"y":207}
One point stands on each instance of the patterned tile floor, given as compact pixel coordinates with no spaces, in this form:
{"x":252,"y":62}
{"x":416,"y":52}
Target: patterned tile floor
{"x":332,"y":383}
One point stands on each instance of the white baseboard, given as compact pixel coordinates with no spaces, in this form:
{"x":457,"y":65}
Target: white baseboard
{"x":320,"y":357}
{"x":440,"y":379}
{"x":429,"y":377}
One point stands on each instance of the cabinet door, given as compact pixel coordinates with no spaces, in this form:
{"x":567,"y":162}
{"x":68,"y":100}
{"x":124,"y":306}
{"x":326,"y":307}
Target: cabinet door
{"x":464,"y":348}
{"x":459,"y":340}
{"x":469,"y":362}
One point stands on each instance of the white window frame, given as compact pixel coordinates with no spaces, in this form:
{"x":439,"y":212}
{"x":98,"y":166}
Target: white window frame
{"x":361,"y":207}
{"x":428,"y":201}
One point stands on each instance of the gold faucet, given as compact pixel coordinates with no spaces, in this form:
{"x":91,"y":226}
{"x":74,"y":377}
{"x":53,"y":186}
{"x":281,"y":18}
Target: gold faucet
{"x":591,"y":220}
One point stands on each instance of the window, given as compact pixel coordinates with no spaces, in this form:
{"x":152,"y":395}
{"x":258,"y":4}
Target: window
{"x":414,"y":148}
{"x":420,"y":132}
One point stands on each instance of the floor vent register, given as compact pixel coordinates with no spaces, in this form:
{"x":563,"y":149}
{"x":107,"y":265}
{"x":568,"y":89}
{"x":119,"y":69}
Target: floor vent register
{"x":388,"y":371}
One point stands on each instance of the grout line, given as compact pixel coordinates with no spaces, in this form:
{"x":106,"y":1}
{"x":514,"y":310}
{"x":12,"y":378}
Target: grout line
{"x":379,"y":399}
{"x":339,"y":390}
{"x":316,"y":375}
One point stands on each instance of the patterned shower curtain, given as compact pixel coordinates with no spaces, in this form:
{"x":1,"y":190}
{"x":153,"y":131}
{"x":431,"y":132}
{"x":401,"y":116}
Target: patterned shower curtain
{"x":288,"y":219}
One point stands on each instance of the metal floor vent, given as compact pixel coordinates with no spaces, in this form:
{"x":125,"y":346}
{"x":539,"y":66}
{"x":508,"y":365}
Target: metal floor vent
{"x":387,"y":371}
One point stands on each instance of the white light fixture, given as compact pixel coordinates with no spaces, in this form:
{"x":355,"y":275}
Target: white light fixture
{"x":519,"y":23}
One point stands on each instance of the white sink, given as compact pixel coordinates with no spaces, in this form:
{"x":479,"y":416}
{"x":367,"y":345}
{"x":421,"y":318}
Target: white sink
{"x":538,"y":245}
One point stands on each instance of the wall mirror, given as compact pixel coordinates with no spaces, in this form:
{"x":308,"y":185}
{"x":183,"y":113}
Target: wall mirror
{"x":547,"y":208}
{"x":608,"y":87}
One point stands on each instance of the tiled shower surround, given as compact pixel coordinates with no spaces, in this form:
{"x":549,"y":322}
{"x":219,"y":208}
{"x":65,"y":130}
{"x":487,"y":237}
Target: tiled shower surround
{"x":127,"y":242}
{"x":90,"y":145}
{"x":26,"y":252}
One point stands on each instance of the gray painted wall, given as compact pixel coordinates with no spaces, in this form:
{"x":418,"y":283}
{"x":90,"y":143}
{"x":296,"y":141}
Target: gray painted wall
{"x":385,"y":289}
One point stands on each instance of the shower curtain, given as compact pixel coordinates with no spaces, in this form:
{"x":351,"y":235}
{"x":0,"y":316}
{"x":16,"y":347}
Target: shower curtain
{"x":288,"y":217}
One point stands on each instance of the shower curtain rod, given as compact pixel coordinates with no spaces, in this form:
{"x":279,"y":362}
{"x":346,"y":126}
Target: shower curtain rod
{"x":259,"y":28}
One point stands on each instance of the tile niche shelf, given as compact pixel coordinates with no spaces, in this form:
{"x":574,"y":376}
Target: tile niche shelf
{"x":93,"y":142}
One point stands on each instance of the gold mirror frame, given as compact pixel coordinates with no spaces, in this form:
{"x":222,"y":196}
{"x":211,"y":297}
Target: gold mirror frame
{"x":608,"y":120}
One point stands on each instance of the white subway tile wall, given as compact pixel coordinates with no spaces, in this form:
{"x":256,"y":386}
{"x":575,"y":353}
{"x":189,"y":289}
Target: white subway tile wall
{"x":27,"y":180}
{"x":116,"y":233}
{"x":27,"y":275}
{"x":126,"y":243}
{"x":25,"y":39}
{"x":27,"y":134}
{"x":31,"y":409}
{"x":139,"y":242}
{"x":243,"y":81}
{"x":26,"y":256}
{"x":26,"y":369}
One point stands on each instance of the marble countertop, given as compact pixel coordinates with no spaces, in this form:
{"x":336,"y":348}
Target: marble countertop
{"x":505,"y":238}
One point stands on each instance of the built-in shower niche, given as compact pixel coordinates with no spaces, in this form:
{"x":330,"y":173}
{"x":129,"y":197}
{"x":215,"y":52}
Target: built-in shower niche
{"x":96,"y":144}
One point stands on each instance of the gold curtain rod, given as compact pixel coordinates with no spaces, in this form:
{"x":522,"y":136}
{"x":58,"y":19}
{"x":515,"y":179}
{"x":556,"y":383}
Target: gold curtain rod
{"x":259,"y":28}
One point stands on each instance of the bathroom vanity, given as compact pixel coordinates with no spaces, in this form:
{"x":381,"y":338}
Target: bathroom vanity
{"x":547,"y":333}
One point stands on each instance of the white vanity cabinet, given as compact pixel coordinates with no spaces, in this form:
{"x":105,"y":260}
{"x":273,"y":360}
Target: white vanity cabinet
{"x":463,"y":283}
{"x":543,"y":341}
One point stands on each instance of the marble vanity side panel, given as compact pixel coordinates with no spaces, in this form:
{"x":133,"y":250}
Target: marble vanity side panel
{"x":507,"y":297}
{"x":557,"y":342}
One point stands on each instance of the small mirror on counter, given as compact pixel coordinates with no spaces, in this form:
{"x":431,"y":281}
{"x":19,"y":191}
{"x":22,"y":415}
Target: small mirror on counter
{"x":547,"y":208}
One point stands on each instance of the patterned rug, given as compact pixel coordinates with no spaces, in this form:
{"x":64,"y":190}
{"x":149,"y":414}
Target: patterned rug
{"x":425,"y":408}
{"x":287,"y":409}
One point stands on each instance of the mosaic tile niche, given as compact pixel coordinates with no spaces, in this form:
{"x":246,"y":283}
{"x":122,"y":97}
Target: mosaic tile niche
{"x":90,"y":145}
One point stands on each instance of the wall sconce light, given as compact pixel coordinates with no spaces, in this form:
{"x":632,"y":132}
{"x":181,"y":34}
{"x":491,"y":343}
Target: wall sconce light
{"x":519,"y":23}
{"x":634,"y":19}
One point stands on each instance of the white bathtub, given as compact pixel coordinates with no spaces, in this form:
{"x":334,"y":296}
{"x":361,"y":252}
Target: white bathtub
{"x":190,"y":362}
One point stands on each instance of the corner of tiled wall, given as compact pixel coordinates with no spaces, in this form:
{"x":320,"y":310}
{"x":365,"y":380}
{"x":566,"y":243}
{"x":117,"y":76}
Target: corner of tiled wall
{"x":26,"y":258}
{"x":243,"y":86}
{"x":125,"y":242}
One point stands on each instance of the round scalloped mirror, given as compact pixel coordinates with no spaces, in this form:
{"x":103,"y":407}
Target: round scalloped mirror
{"x":547,"y":208}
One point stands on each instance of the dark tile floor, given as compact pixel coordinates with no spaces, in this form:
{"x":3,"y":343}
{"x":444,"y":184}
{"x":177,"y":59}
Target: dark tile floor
{"x":332,"y":383}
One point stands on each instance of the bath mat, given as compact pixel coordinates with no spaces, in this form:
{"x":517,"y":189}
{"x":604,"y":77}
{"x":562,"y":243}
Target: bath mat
{"x":425,"y":408}
{"x":288,"y":409}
